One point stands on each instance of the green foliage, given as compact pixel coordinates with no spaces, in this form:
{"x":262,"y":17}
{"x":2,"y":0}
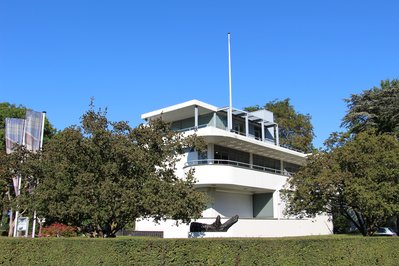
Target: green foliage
{"x":102,"y":175}
{"x":358,"y":177}
{"x":253,"y":108}
{"x":376,"y":108}
{"x":341,"y":225}
{"x":142,"y":251}
{"x":20,"y":163}
{"x":295,"y":129}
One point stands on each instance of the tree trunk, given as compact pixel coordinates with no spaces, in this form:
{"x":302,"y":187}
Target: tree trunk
{"x":11,"y":224}
{"x":358,"y":223}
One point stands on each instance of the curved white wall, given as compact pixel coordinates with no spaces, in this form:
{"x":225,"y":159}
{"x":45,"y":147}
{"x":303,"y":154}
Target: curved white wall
{"x":208,"y":174}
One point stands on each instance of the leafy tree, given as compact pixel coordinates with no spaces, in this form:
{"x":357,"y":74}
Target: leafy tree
{"x":376,"y":108}
{"x":102,"y":175}
{"x":295,"y":129}
{"x":17,"y":164}
{"x":357,"y":176}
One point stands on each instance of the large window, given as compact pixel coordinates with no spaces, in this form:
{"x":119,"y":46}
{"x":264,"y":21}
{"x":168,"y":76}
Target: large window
{"x":224,"y":153}
{"x":183,"y":124}
{"x":239,"y":125}
{"x":204,"y":120}
{"x":221,"y":120}
{"x":266,"y":162}
{"x":255,"y":131}
{"x":263,"y":205}
{"x":189,"y":123}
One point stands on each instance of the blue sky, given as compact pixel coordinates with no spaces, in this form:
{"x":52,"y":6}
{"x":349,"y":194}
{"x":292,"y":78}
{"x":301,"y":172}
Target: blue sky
{"x":137,"y":56}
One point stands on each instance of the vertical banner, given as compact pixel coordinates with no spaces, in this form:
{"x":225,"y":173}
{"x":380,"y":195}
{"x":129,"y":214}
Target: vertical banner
{"x":33,"y":130}
{"x":14,"y":135}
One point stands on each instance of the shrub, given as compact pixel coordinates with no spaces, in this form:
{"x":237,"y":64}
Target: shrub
{"x":331,"y":250}
{"x":58,"y":230}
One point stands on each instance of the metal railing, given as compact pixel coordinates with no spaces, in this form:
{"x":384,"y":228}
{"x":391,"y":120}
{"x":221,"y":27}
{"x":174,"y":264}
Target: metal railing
{"x":232,"y":131}
{"x":290,"y":148}
{"x":241,"y":134}
{"x":252,"y":136}
{"x":191,"y":128}
{"x":236,"y":164}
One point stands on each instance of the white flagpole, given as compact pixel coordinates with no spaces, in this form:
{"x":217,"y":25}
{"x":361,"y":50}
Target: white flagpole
{"x":42,"y":135}
{"x":19,"y":186}
{"x":230,"y":116}
{"x":41,"y":147}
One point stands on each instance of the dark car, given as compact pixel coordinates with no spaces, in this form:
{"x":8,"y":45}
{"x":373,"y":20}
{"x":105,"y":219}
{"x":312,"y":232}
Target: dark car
{"x":384,"y":231}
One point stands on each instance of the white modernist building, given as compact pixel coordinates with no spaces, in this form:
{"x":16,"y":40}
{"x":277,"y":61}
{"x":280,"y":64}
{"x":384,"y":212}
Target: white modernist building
{"x":242,"y":170}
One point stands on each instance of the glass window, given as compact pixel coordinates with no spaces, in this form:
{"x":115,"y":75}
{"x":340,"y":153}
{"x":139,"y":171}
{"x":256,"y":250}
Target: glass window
{"x":221,"y":120}
{"x":203,"y":157}
{"x":224,"y":153}
{"x":266,"y":162}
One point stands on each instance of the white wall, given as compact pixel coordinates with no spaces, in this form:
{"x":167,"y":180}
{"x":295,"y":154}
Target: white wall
{"x":248,"y":228}
{"x":228,"y":204}
{"x":228,"y":175}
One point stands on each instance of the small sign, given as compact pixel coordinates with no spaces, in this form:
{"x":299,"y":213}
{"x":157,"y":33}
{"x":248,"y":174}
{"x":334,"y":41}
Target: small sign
{"x":23,"y":223}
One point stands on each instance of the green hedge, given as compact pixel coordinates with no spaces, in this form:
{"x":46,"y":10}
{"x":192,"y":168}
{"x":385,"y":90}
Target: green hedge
{"x":331,"y":250}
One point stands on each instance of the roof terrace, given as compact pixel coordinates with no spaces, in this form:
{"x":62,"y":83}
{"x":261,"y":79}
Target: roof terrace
{"x":195,"y":114}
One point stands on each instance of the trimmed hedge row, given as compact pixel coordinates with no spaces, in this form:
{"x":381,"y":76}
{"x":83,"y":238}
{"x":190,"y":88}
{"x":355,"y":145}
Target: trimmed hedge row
{"x":331,"y":250}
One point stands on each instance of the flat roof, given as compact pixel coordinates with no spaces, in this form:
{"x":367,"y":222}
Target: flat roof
{"x":180,"y":111}
{"x":186,"y":110}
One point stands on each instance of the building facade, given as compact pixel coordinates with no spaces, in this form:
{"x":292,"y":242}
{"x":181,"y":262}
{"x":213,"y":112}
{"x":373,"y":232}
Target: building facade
{"x":242,"y":170}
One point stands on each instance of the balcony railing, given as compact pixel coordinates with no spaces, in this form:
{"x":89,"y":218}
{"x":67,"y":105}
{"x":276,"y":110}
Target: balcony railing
{"x":233,"y":131}
{"x":236,"y":164}
{"x":191,"y":128}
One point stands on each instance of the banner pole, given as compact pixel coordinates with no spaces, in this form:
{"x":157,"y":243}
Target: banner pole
{"x":41,"y":147}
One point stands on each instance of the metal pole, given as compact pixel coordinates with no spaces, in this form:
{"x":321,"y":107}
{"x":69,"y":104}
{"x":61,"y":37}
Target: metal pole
{"x":41,"y":147}
{"x":18,"y":188}
{"x":17,"y":212}
{"x":196,"y":117}
{"x":16,"y":223}
{"x":262,"y":130}
{"x":34,"y":224}
{"x":230,"y":115}
{"x":276,"y":136}
{"x":42,"y":135}
{"x":246,"y":126}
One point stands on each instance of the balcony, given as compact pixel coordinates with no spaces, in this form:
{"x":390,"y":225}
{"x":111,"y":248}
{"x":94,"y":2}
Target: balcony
{"x":251,"y":136}
{"x":236,"y":164}
{"x":225,"y":175}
